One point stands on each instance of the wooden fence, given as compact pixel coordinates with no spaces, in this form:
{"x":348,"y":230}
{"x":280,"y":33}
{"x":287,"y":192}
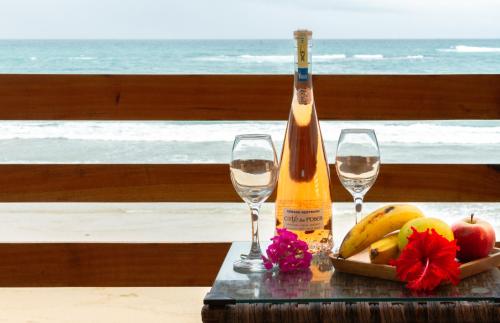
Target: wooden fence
{"x":212,"y":97}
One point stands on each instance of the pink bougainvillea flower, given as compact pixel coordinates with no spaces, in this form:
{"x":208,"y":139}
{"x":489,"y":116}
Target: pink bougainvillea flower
{"x":287,"y":252}
{"x":427,"y":260}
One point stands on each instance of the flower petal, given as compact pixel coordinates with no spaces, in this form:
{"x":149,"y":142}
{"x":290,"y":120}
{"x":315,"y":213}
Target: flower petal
{"x":288,"y":252}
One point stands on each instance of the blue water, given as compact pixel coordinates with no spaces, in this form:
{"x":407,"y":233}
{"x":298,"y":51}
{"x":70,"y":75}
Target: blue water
{"x":188,"y":142}
{"x":248,"y":56}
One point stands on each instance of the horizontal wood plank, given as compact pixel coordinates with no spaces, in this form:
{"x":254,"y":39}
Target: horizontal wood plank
{"x":211,"y":183}
{"x":246,"y":97}
{"x":110,"y":264}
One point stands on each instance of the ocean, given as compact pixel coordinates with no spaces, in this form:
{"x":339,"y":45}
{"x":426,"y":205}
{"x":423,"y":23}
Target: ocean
{"x":207,"y":142}
{"x":210,"y":142}
{"x":248,"y":56}
{"x":468,"y":141}
{"x":452,"y":142}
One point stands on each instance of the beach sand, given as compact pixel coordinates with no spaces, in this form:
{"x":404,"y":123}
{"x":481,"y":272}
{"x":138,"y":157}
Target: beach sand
{"x":180,"y":222}
{"x":101,"y":305}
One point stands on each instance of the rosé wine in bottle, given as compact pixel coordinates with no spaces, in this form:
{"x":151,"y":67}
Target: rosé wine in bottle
{"x":303,"y":201}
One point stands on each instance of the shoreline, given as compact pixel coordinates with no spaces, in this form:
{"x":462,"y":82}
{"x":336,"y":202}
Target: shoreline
{"x":181,"y":222}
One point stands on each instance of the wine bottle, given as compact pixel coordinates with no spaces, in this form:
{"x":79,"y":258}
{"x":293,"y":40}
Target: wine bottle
{"x":303,"y":201}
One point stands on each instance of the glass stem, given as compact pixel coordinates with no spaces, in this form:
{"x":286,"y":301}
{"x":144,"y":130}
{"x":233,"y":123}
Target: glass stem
{"x":358,"y":204}
{"x":255,"y":252}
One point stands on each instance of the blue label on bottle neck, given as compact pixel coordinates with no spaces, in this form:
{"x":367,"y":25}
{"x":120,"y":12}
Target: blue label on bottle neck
{"x":303,"y":73}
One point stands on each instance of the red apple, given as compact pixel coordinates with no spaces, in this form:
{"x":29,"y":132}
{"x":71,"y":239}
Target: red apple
{"x":475,"y":237}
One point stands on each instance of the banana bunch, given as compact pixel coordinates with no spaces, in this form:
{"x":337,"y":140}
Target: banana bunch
{"x":377,"y":225}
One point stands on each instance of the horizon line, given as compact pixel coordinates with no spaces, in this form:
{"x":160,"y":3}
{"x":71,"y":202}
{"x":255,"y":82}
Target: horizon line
{"x":253,"y":39}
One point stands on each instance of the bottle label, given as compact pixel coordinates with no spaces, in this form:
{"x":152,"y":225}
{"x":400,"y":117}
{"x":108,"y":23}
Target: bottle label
{"x":305,"y":220}
{"x":302,"y":57}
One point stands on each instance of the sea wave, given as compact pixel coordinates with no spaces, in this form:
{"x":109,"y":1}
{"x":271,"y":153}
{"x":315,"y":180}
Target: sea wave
{"x":267,"y":58}
{"x":455,"y":56}
{"x":415,"y":57}
{"x":246,"y":58}
{"x":369,"y":56}
{"x":412,"y":133}
{"x":288,"y":59}
{"x":82,"y":58}
{"x":283,"y":58}
{"x":471,"y":49}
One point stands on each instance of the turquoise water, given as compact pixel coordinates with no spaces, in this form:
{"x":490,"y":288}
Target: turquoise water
{"x":210,"y":142}
{"x":248,"y":56}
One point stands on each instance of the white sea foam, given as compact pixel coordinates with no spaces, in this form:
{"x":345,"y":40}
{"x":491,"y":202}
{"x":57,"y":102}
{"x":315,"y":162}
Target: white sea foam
{"x":413,"y":133}
{"x":288,"y":59}
{"x":423,"y":133}
{"x":408,"y":57}
{"x":279,"y":59}
{"x":369,"y":57}
{"x":82,"y":58}
{"x":415,"y":57}
{"x":33,"y":58}
{"x":471,"y":49}
{"x":247,"y":58}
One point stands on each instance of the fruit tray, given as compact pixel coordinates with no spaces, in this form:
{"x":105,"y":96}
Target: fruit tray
{"x":360,"y":264}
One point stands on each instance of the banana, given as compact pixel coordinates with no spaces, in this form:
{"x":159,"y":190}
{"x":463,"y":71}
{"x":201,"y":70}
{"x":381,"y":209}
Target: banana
{"x":375,"y":226}
{"x":385,"y":249}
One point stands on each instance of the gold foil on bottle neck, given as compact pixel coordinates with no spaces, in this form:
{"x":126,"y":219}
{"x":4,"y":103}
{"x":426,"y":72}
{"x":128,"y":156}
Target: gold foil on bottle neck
{"x":303,"y":38}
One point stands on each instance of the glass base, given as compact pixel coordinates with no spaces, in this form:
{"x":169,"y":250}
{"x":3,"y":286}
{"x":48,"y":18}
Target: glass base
{"x":245,"y":266}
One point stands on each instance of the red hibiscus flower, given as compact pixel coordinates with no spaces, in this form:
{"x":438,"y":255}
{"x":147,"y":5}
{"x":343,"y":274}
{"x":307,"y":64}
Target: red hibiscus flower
{"x":427,"y":260}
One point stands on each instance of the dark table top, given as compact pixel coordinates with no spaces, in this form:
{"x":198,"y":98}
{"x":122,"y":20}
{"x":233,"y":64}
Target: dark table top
{"x":322,"y":284}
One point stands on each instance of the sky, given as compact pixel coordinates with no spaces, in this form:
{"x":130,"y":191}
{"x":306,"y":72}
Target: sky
{"x":226,"y":19}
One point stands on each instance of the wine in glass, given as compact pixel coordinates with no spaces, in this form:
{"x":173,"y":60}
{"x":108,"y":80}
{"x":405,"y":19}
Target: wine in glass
{"x":357,"y":163}
{"x":254,"y":170}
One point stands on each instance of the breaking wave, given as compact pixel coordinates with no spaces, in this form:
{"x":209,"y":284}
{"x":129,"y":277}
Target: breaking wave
{"x":203,"y":132}
{"x":369,"y":57}
{"x":471,"y":49}
{"x":288,"y":59}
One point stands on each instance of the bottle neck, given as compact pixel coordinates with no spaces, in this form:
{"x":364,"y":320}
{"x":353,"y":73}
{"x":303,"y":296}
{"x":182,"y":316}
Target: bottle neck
{"x":303,"y":59}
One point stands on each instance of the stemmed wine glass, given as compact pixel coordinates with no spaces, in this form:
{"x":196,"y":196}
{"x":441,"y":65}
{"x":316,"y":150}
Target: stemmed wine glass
{"x":254,"y":171}
{"x":357,"y":163}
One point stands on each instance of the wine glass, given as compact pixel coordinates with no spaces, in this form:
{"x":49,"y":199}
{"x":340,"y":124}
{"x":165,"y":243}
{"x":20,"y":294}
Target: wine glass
{"x":254,"y":171}
{"x":357,"y":163}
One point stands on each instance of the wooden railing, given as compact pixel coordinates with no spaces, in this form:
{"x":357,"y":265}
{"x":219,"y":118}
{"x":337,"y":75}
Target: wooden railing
{"x":246,"y":97}
{"x":211,"y":183}
{"x":211,"y":97}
